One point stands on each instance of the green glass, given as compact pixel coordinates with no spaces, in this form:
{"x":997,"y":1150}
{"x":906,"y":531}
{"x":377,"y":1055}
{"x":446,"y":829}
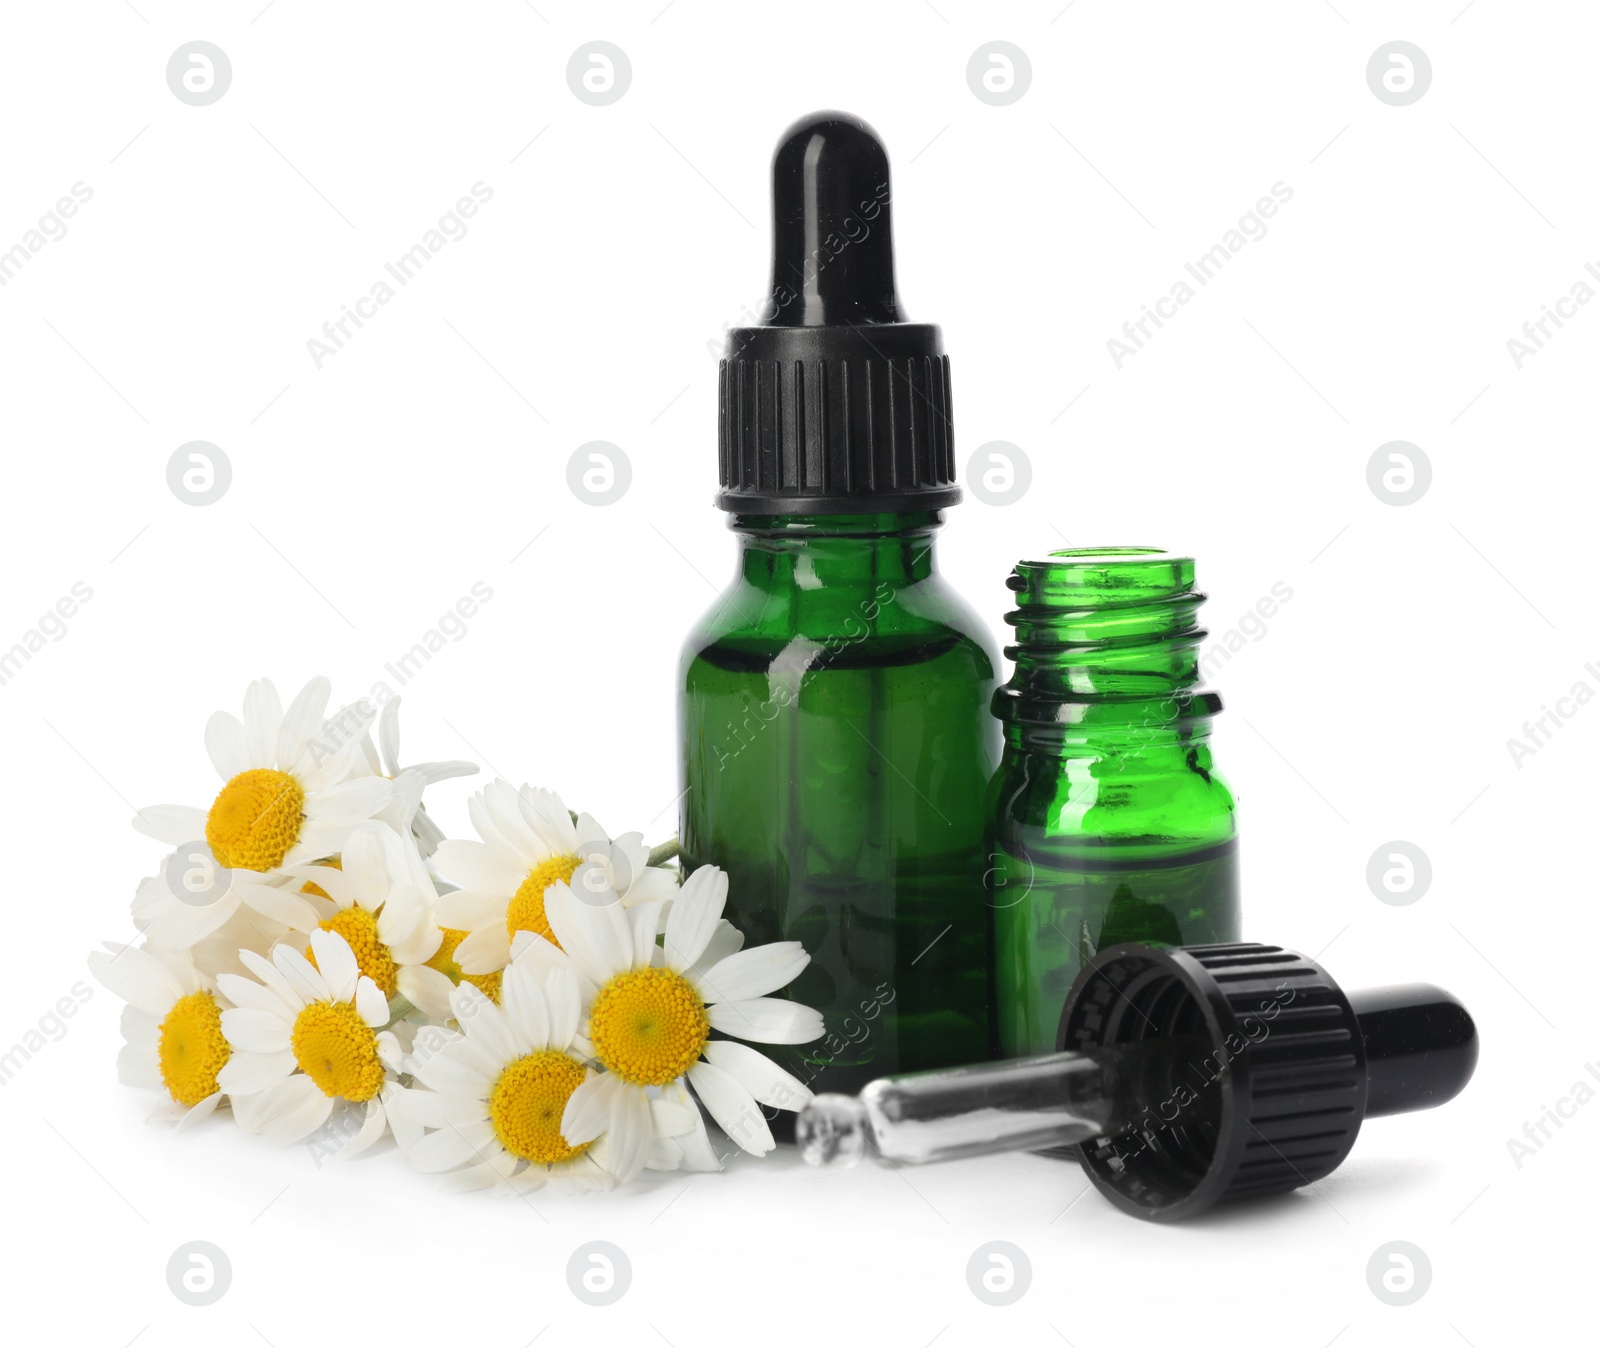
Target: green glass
{"x":1110,"y":821}
{"x":837,"y":745}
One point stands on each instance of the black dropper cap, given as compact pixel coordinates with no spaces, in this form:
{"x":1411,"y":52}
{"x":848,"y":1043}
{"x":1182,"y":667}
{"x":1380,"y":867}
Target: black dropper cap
{"x":1288,"y":1068}
{"x":834,"y":404}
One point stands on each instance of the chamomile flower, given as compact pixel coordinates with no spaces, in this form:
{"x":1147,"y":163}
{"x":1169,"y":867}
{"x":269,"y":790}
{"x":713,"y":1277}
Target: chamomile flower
{"x":529,"y":842}
{"x":294,"y":786}
{"x":382,"y":900}
{"x":171,"y":1026}
{"x":405,"y":813}
{"x":496,"y":1090}
{"x":650,"y":1011}
{"x":305,"y":1037}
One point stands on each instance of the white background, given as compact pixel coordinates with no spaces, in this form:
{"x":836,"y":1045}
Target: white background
{"x":430,"y":453}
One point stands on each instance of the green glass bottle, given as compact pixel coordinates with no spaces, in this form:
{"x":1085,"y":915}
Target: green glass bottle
{"x":833,"y":705}
{"x":836,"y":753}
{"x":1110,"y":821}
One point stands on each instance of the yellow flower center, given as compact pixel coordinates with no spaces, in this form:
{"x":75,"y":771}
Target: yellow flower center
{"x":360,"y":929}
{"x":527,"y":1102}
{"x":648,"y":1026}
{"x":256,"y":819}
{"x":525,"y":912}
{"x":444,"y":960}
{"x":191,"y":1048}
{"x":337,"y":1050}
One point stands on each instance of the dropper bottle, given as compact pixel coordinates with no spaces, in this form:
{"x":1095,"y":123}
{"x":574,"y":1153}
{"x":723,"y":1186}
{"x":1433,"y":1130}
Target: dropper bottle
{"x":1186,"y":1077}
{"x":833,"y":703}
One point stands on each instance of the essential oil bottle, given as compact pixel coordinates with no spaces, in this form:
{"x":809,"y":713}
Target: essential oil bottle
{"x":1111,"y":822}
{"x":833,"y":703}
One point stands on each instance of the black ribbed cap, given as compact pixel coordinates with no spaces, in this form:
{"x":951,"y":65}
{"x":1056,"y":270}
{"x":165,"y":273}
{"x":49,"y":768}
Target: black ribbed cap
{"x":1274,"y":1098}
{"x":834,"y":404}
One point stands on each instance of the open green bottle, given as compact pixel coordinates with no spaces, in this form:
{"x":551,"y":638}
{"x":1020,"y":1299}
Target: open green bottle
{"x":833,"y":704}
{"x":1111,"y":823}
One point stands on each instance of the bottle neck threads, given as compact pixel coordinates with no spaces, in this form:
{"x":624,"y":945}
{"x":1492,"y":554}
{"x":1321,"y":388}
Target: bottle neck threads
{"x":1107,"y":644}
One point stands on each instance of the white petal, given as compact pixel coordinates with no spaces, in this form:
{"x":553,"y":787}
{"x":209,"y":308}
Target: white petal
{"x":767,"y":1020}
{"x":226,"y":744}
{"x":443,"y":1150}
{"x":389,"y":735}
{"x":268,"y":972}
{"x":420,"y":944}
{"x":768,"y":1083}
{"x":138,"y":978}
{"x":423,"y":1109}
{"x":337,"y":964}
{"x":628,"y":1135}
{"x":247,"y":992}
{"x":320,"y":838}
{"x":646,"y":922}
{"x":426,"y":989}
{"x":598,"y":939}
{"x":694,"y":916}
{"x":402,"y":913}
{"x":203,"y":1110}
{"x":670,"y":1118}
{"x":402,"y":1121}
{"x":138,"y":1065}
{"x":564,"y":1004}
{"x":592,"y":838}
{"x":484,"y":950}
{"x":693,"y":1150}
{"x":469,"y":909}
{"x":349,"y":802}
{"x":302,"y":720}
{"x":725,"y":939}
{"x":735,"y":1111}
{"x":589,"y":1108}
{"x":505,"y":849}
{"x":444,"y":770}
{"x":754,"y":972}
{"x":365,"y":860}
{"x":452,"y":1073}
{"x":280,"y":905}
{"x":372,"y":1126}
{"x":171,"y":824}
{"x":290,"y":1112}
{"x":263,"y":714}
{"x":476,"y":866}
{"x":510,"y":820}
{"x":371,"y":1005}
{"x":523,"y":1000}
{"x":651,"y":884}
{"x":547,"y":814}
{"x":174,"y":925}
{"x":485,"y":1024}
{"x":307,"y":981}
{"x":252,"y":1031}
{"x":247,"y":1073}
{"x":582,"y":1174}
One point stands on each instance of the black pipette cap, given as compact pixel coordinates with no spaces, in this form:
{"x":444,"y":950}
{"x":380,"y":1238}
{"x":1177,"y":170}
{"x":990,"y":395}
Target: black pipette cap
{"x":834,"y":404}
{"x":1304,"y":1065}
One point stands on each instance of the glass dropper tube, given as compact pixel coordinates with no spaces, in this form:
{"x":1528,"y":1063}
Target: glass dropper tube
{"x":1026,"y":1104}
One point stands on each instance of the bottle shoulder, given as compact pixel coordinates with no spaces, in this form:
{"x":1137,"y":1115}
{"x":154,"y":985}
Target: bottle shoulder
{"x":1095,"y":800}
{"x":877,"y":623}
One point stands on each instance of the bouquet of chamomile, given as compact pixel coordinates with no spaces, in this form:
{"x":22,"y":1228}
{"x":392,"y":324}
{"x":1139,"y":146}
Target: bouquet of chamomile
{"x":543,"y":1004}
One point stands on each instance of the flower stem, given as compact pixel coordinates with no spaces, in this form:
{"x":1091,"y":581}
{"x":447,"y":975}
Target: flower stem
{"x":662,"y":853}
